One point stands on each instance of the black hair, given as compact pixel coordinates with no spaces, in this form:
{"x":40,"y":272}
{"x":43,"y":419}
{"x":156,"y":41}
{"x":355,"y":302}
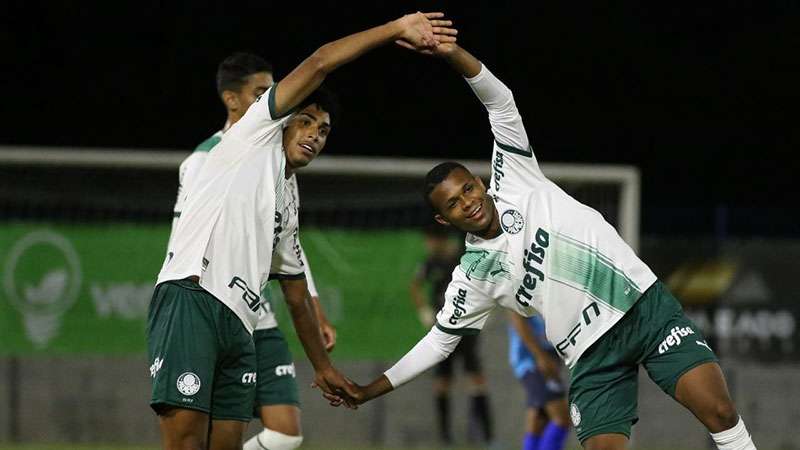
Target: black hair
{"x":325,"y":100}
{"x":436,"y":176}
{"x":233,"y":71}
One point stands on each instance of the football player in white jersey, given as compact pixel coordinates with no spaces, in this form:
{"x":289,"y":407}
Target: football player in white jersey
{"x":534,"y":249}
{"x":207,"y":299}
{"x":241,"y":78}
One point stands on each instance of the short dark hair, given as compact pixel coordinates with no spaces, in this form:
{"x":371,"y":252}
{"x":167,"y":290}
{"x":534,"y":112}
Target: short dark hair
{"x":436,"y":176}
{"x":324,"y":99}
{"x":233,"y":71}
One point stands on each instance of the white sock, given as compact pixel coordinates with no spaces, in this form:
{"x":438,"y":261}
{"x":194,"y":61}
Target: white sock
{"x":737,"y":438}
{"x":272,"y":440}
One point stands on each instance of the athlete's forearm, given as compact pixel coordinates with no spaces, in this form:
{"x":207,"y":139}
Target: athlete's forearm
{"x":309,"y":75}
{"x":305,"y":322}
{"x":463,"y":62}
{"x":495,"y":96}
{"x":432,"y":349}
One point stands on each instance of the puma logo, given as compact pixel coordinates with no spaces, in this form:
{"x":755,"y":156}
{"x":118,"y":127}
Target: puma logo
{"x":703,"y":344}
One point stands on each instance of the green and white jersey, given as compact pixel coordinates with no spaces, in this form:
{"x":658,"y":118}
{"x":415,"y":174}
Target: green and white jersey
{"x":556,"y":256}
{"x":188,"y":171}
{"x":231,"y":215}
{"x":288,"y":256}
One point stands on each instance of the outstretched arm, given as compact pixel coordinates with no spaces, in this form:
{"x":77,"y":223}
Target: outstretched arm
{"x":418,"y":30}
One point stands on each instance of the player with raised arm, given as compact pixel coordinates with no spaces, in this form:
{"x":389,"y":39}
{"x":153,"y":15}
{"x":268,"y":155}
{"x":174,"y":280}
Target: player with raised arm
{"x":207,"y":299}
{"x":241,"y":79}
{"x":532,"y":248}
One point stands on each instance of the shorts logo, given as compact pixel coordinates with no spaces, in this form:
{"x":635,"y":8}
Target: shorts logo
{"x":249,"y":378}
{"x":512,"y":221}
{"x":575,"y":414}
{"x":674,"y":338}
{"x":287,"y":369}
{"x":188,"y":383}
{"x":157,"y":363}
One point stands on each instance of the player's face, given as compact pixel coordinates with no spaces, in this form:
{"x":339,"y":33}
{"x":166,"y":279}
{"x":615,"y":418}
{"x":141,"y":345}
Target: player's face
{"x":461,"y":201}
{"x":305,"y":135}
{"x":239,"y":102}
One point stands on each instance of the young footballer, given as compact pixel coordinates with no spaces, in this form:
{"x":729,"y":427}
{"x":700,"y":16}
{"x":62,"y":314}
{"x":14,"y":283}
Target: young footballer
{"x":533,"y":249}
{"x":207,"y":299}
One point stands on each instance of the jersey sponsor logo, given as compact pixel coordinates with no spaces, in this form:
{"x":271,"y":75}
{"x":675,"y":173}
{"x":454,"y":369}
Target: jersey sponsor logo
{"x":284,"y":370}
{"x":533,"y":261}
{"x":188,"y":383}
{"x":590,"y":312}
{"x":674,"y":338}
{"x":498,"y":170}
{"x":249,"y":378}
{"x":458,"y":306}
{"x":251,"y":298}
{"x":512,"y":221}
{"x":575,"y":414}
{"x":156,"y":366}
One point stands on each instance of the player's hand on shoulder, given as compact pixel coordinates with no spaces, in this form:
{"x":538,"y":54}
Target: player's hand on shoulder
{"x":425,"y":32}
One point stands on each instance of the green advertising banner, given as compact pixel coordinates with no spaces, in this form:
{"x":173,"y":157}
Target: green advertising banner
{"x":70,"y":289}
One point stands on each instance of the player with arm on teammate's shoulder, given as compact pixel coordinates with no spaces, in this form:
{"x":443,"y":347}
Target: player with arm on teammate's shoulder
{"x":532,"y":248}
{"x":207,"y":299}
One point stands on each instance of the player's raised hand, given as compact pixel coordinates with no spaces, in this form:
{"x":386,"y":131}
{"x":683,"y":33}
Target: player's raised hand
{"x":426,"y":30}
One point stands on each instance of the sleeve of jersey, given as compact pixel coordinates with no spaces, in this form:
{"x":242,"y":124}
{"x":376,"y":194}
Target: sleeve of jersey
{"x":432,"y":349}
{"x":287,"y":261}
{"x":465,"y":310}
{"x":513,"y":150}
{"x":260,"y":123}
{"x":312,"y":287}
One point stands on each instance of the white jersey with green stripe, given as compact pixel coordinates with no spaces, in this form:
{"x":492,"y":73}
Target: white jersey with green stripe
{"x":231,"y":218}
{"x":555,"y":255}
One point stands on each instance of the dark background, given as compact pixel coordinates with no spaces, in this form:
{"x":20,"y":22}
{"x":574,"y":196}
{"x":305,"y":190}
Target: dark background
{"x":701,"y":96}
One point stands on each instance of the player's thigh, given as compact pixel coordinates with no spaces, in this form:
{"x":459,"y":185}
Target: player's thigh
{"x":607,"y":441}
{"x":704,"y":392}
{"x":183,"y":347}
{"x":226,"y":434}
{"x":677,"y":346}
{"x":236,"y":375}
{"x":277,"y":384}
{"x":183,"y":428}
{"x":284,"y":419}
{"x":603,"y":388}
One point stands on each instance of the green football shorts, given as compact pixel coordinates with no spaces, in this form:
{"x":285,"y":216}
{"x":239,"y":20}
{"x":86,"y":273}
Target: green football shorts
{"x":276,"y":378}
{"x":603,"y":383}
{"x":203,"y":358}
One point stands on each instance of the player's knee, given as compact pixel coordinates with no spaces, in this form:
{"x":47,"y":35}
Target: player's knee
{"x":273,"y":440}
{"x":724,"y":417}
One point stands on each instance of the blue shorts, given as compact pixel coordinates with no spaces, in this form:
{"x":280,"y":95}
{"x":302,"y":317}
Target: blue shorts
{"x":539,"y":391}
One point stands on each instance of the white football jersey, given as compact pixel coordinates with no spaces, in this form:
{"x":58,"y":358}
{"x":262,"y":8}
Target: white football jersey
{"x":288,"y":260}
{"x":555,"y":256}
{"x":232,"y":214}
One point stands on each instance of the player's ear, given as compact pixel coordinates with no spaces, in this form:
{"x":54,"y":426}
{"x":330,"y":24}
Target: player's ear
{"x":231,"y":100}
{"x":440,"y":219}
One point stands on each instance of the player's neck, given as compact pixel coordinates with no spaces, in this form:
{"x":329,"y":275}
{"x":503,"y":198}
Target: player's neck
{"x":493,"y":230}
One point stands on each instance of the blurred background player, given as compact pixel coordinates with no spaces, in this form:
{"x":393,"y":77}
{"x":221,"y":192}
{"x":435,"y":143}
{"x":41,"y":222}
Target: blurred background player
{"x":241,"y":78}
{"x":443,"y":253}
{"x":536,"y":365}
